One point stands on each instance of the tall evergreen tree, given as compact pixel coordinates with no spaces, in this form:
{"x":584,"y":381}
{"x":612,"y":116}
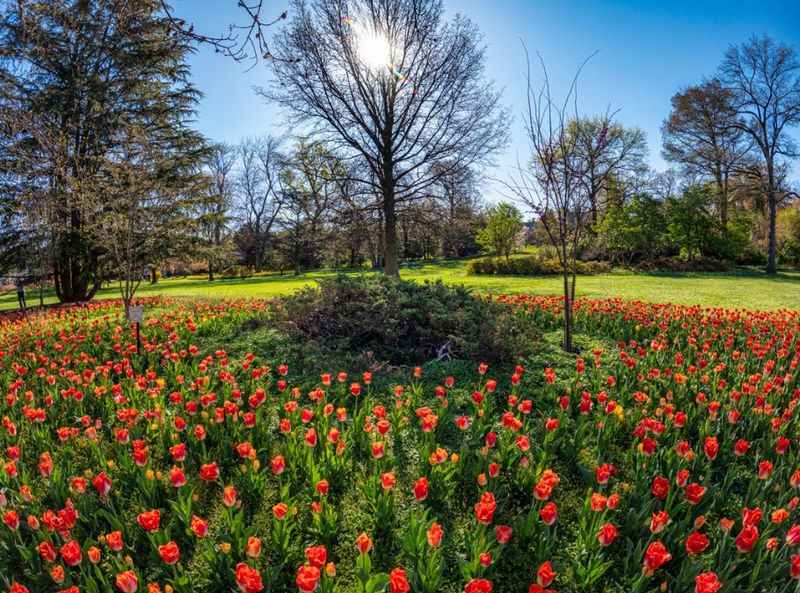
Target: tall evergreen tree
{"x":77,"y":78}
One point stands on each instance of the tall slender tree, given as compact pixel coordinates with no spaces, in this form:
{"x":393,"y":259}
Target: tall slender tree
{"x":259,"y":196}
{"x":215,"y":214}
{"x":392,"y":83}
{"x":702,"y":135}
{"x":763,"y":78}
{"x":553,"y":185}
{"x":309,"y":189}
{"x":151,"y":191}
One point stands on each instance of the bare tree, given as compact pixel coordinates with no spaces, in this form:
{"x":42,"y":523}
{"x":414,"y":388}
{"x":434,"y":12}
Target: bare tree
{"x":553,"y":185}
{"x":309,"y":189}
{"x":663,"y":184}
{"x":390,"y":82}
{"x":763,"y":77}
{"x":609,"y":152}
{"x":702,"y":135}
{"x":460,"y":204}
{"x":215,"y":214}
{"x":244,"y":41}
{"x":259,"y":199}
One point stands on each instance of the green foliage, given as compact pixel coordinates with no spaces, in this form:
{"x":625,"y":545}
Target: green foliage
{"x":236,"y":272}
{"x":789,"y":235}
{"x":689,"y":223}
{"x":402,"y":321}
{"x":531,"y":266}
{"x":734,"y":244}
{"x":503,"y":224}
{"x":634,"y":230}
{"x":80,"y":79}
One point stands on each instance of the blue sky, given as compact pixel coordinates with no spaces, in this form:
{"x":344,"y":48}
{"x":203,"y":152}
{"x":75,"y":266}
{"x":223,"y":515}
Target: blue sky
{"x":647,"y":50}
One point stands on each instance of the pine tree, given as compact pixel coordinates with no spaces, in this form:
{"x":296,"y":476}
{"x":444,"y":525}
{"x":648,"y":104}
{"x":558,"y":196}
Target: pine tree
{"x":82,"y":84}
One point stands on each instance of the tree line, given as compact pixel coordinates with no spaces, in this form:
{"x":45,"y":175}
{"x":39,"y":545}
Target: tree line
{"x":296,"y":205}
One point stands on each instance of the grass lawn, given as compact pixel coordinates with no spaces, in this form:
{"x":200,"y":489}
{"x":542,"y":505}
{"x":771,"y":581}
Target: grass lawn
{"x":746,"y":288}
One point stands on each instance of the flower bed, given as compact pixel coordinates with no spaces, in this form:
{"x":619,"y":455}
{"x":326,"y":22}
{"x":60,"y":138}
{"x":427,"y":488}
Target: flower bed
{"x":669,"y":462}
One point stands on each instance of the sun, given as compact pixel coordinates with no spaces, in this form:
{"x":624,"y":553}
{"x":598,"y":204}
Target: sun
{"x":373,"y":48}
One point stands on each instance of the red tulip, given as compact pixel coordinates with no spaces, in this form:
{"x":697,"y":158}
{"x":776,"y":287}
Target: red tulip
{"x":421,"y":488}
{"x":607,"y":534}
{"x":209,"y":472}
{"x":199,"y":526}
{"x":545,"y":574}
{"x":548,"y":513}
{"x":127,"y":582}
{"x":102,"y":483}
{"x":484,"y":509}
{"x":707,"y":582}
{"x":747,"y":538}
{"x":794,"y":567}
{"x":503,"y":534}
{"x":711,"y":447}
{"x":71,"y":553}
{"x":363,"y":543}
{"x":434,"y":535}
{"x":317,"y":556}
{"x":478,"y":586}
{"x":398,"y":582}
{"x":696,"y":543}
{"x":694,"y":493}
{"x":248,"y":579}
{"x":307,"y":578}
{"x":655,"y":556}
{"x":660,"y":487}
{"x":149,"y":520}
{"x":169,"y":552}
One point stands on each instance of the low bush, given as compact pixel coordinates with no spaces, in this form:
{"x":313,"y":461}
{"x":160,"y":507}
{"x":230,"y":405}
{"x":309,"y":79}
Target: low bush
{"x":403,"y":322}
{"x":674,"y":264}
{"x":236,"y":272}
{"x":531,"y":266}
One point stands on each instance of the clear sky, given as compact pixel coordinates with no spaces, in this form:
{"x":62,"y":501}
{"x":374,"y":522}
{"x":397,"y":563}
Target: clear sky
{"x":647,"y":50}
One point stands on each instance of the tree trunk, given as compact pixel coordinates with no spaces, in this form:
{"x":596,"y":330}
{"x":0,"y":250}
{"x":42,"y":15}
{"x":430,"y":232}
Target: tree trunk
{"x":567,"y":345}
{"x":210,"y":271}
{"x":772,"y":203}
{"x":391,"y":265}
{"x":721,"y":199}
{"x":772,"y":264}
{"x":153,"y":275}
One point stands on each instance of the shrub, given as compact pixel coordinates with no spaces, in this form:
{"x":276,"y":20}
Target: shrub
{"x":403,"y":322}
{"x":692,"y":231}
{"x":676,"y":264}
{"x":236,"y":272}
{"x":634,"y":230}
{"x":503,"y":225}
{"x":789,"y":235}
{"x":531,"y":266}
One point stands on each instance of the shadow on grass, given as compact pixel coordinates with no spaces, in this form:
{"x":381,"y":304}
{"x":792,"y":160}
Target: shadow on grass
{"x":791,"y":277}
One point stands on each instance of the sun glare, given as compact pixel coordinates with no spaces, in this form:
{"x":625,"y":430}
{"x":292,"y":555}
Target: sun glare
{"x":374,"y":49}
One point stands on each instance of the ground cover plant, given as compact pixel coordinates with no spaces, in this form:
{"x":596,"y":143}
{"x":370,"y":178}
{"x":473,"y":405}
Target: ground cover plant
{"x":663,"y":457}
{"x":402,"y":321}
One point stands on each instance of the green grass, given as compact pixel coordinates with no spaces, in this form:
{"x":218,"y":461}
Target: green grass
{"x":744,"y":288}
